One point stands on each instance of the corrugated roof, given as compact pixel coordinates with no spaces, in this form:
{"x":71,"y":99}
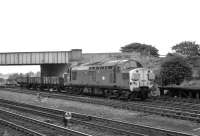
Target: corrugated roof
{"x":113,"y":62}
{"x":86,"y":66}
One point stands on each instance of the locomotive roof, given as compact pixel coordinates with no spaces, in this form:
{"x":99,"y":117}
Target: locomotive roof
{"x":86,"y":66}
{"x":81,"y":67}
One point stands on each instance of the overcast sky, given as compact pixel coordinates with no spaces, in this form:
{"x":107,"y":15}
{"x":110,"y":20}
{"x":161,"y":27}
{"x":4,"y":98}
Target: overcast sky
{"x":95,"y":25}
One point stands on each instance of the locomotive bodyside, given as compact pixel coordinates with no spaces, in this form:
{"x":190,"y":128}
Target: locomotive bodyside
{"x":110,"y":75}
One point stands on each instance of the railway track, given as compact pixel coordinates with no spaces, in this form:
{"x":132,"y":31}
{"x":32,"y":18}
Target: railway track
{"x":79,"y":119}
{"x":184,"y":106}
{"x":185,"y":111}
{"x":123,"y":128}
{"x":22,"y":130}
{"x":178,"y":99}
{"x":40,"y":127}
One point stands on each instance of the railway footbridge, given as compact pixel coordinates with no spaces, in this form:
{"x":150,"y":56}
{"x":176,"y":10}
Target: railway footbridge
{"x":52,"y":63}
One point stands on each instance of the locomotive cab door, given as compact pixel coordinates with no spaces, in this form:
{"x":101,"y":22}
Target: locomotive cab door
{"x":134,"y":80}
{"x":66,"y":77}
{"x":151,"y":76}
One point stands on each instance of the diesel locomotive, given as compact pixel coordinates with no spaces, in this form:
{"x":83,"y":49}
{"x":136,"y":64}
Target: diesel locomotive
{"x":123,"y":79}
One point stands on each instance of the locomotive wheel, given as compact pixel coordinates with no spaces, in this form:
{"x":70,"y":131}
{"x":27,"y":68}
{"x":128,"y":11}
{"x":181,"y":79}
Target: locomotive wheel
{"x":133,"y":96}
{"x":79,"y":91}
{"x":88,"y":91}
{"x":98,"y":92}
{"x":115,"y":94}
{"x":124,"y":95}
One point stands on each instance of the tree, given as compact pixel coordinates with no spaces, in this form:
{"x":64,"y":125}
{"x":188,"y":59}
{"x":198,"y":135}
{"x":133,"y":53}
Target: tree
{"x":144,"y":49}
{"x":13,"y":76}
{"x":174,"y":70}
{"x":187,"y":48}
{"x":30,"y":74}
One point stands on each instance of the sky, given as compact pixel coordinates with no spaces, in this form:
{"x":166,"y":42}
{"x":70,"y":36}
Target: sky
{"x":95,"y":25}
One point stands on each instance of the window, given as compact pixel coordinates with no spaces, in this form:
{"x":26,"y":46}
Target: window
{"x":136,"y":76}
{"x":66,"y":77}
{"x":151,"y":76}
{"x":111,"y":77}
{"x":110,"y":67}
{"x":74,"y":75}
{"x":92,"y":75}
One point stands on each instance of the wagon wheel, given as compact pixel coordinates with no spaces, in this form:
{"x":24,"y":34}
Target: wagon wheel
{"x":107,"y":93}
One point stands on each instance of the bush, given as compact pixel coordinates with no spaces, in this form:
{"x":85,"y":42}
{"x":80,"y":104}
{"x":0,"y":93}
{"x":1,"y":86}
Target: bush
{"x":174,"y":70}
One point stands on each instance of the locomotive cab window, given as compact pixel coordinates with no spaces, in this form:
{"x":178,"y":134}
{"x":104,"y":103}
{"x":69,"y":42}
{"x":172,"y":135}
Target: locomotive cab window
{"x":151,"y":76}
{"x":74,"y":75}
{"x":136,"y":76}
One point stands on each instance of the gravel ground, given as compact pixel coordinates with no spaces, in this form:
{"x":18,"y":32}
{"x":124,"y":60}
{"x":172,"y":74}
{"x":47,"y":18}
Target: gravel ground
{"x":6,"y":131}
{"x":106,"y":112}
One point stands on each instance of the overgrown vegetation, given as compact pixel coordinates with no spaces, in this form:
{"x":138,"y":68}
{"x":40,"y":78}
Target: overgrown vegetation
{"x":174,"y":70}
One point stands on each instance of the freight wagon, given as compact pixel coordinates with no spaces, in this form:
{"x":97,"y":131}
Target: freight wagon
{"x":43,"y":83}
